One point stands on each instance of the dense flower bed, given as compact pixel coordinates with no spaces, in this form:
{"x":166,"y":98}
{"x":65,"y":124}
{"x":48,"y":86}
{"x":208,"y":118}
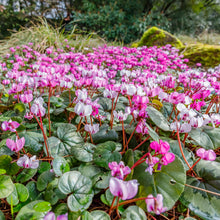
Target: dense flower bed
{"x":116,"y":125}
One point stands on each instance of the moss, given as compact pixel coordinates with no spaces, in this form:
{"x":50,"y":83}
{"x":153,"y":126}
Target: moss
{"x":207,"y":55}
{"x":155,"y":36}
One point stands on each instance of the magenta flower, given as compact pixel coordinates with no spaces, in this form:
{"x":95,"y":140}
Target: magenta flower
{"x":162,"y":147}
{"x":206,"y":154}
{"x":120,"y":115}
{"x":123,"y":189}
{"x":52,"y":216}
{"x":10,"y":125}
{"x":28,"y":163}
{"x":155,"y":204}
{"x":119,"y":170}
{"x":167,"y":158}
{"x":15,"y":145}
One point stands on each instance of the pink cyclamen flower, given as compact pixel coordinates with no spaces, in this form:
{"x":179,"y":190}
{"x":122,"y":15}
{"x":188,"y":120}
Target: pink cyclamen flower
{"x":155,"y":204}
{"x":206,"y":154}
{"x":123,"y":189}
{"x":26,"y":98}
{"x":52,"y":216}
{"x":167,"y":158}
{"x":37,"y":107}
{"x":162,"y":147}
{"x":151,"y":161}
{"x":119,"y":170}
{"x":15,"y":145}
{"x":120,"y":115}
{"x":92,"y":128}
{"x":10,"y":125}
{"x":28,"y":163}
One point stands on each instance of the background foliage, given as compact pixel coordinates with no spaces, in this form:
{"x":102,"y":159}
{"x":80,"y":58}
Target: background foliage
{"x":120,"y":20}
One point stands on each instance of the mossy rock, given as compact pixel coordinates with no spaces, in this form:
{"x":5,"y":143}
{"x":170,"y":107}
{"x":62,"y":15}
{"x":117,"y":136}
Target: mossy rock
{"x":207,"y":55}
{"x":158,"y":37}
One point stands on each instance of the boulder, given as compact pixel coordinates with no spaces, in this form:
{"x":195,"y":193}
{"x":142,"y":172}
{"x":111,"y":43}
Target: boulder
{"x":207,"y":55}
{"x":158,"y":37}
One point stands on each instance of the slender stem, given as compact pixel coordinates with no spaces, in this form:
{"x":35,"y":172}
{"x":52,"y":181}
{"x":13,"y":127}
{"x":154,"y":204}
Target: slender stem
{"x":44,"y":135}
{"x":148,"y":137}
{"x":49,"y":111}
{"x":180,"y":146}
{"x":123,"y":135}
{"x":195,"y":164}
{"x":184,"y":140}
{"x":112,"y":115}
{"x":137,"y":163}
{"x":129,"y":201}
{"x":113,"y":201}
{"x":204,"y":190}
{"x":117,"y":205}
{"x":78,"y":127}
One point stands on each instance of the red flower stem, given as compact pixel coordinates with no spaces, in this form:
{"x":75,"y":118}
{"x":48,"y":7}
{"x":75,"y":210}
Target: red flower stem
{"x":113,"y":201}
{"x":128,"y":201}
{"x":195,"y":164}
{"x":180,"y":146}
{"x":184,"y":140}
{"x":45,"y":137}
{"x":78,"y":127}
{"x":116,"y":101}
{"x":141,"y":143}
{"x":139,"y":161}
{"x":50,"y":90}
{"x":123,"y":135}
{"x":131,"y":106}
{"x":69,"y":96}
{"x":117,"y":205}
{"x":112,"y":115}
{"x":132,"y":134}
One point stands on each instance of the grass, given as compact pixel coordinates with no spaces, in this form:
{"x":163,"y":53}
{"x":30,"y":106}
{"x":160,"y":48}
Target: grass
{"x":43,"y":35}
{"x":204,"y":37}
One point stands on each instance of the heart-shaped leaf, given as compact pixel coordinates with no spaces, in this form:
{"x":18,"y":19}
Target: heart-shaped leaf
{"x":99,"y":215}
{"x":84,"y":152}
{"x":10,"y":168}
{"x":134,"y":212}
{"x":105,"y":134}
{"x":66,"y":139}
{"x":20,"y":193}
{"x":26,"y":175}
{"x":34,"y":210}
{"x":81,"y":188}
{"x":105,"y":153}
{"x":202,"y":203}
{"x":60,"y":166}
{"x":43,"y":180}
{"x":6,"y":186}
{"x":158,"y":118}
{"x":169,"y":182}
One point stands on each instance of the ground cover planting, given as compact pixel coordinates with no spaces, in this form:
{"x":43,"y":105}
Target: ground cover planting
{"x":111,"y":133}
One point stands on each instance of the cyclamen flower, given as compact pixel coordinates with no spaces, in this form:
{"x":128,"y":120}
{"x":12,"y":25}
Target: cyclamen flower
{"x":120,"y":115}
{"x":123,"y":189}
{"x":155,"y":204}
{"x":206,"y":154}
{"x":29,"y":115}
{"x":119,"y":170}
{"x":52,"y":216}
{"x":167,"y":158}
{"x":141,"y":128}
{"x":37,"y":107}
{"x":26,"y":98}
{"x":83,"y":110}
{"x":92,"y":128}
{"x":162,"y":147}
{"x":15,"y":145}
{"x":10,"y":125}
{"x":28,"y":163}
{"x":81,"y":95}
{"x":151,"y":161}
